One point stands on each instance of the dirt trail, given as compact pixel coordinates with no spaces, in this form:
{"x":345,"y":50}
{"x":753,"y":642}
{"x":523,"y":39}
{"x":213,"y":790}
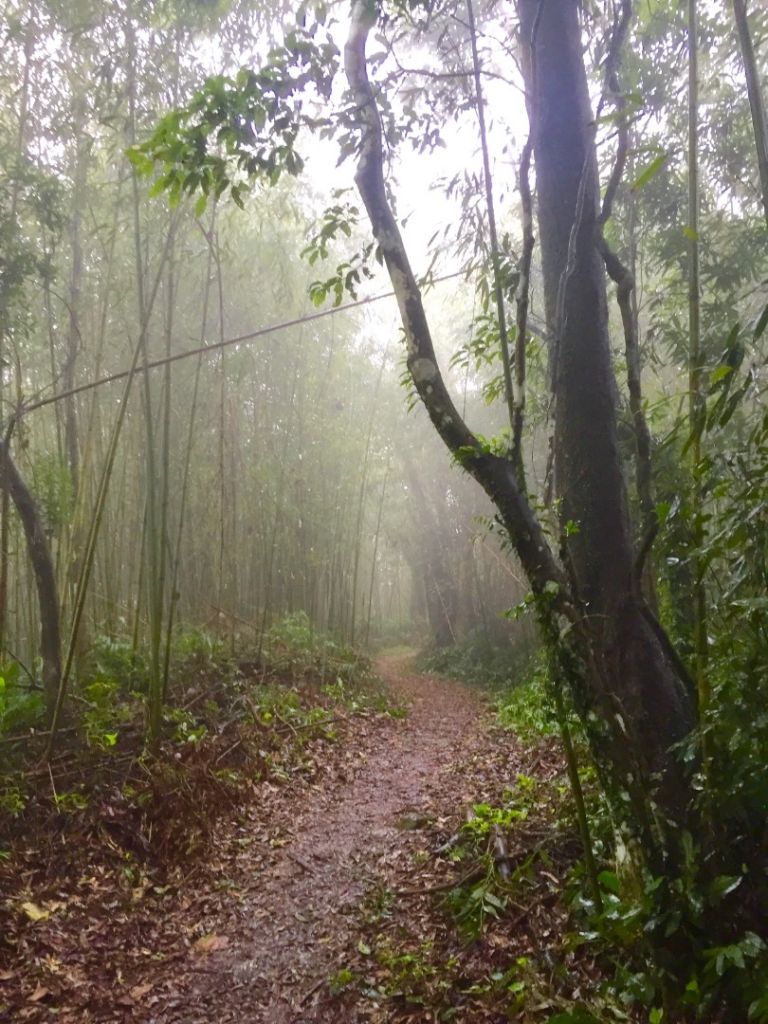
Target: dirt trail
{"x":284,"y":934}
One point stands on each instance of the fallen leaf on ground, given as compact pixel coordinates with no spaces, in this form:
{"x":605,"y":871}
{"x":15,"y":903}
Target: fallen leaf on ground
{"x":138,"y":991}
{"x":211,"y":943}
{"x":35,"y":913}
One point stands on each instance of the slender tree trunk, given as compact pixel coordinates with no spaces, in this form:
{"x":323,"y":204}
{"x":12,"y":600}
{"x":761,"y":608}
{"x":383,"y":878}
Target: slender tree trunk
{"x":74,"y":342}
{"x":374,"y":556}
{"x":361,"y":503}
{"x":5,"y":509}
{"x":437,"y":578}
{"x":45,"y":575}
{"x":756,"y":104}
{"x":696,"y":400}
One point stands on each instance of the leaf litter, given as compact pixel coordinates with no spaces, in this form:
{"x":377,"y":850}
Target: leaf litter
{"x":293,"y":915}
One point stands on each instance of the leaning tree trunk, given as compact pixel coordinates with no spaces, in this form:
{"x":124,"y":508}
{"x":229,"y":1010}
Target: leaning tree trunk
{"x":612,"y":642}
{"x":633,"y":672}
{"x":13,"y":484}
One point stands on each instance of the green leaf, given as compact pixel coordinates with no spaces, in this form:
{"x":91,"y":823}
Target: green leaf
{"x":494,"y":901}
{"x":237,"y":194}
{"x":200,"y":205}
{"x":141,"y":163}
{"x":649,"y":171}
{"x":762,"y":323}
{"x":720,"y":373}
{"x":160,"y":185}
{"x":609,"y":881}
{"x":722,"y":886}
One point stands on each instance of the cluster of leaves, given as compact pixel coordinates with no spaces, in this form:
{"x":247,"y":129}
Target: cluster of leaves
{"x":238,"y":131}
{"x":26,"y":192}
{"x":294,"y":649}
{"x":20,"y":699}
{"x":672,"y":943}
{"x":526,"y":708}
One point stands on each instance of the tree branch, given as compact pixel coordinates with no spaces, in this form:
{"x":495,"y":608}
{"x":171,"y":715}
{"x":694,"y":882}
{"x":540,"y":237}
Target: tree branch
{"x":495,"y":474}
{"x":624,"y":280}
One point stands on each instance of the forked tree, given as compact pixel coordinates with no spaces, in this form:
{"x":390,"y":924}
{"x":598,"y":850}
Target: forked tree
{"x":606,"y":640}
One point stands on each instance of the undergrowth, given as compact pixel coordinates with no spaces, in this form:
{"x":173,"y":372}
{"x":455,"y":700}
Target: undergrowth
{"x":658,"y":939}
{"x":479,"y":662}
{"x":234,"y":722}
{"x":515,"y":933}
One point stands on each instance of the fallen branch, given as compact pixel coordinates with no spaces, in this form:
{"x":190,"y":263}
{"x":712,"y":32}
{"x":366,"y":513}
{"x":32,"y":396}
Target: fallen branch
{"x":474,"y":875}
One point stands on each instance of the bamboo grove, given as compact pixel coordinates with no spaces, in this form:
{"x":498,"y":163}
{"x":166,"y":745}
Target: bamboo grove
{"x":221,"y":490}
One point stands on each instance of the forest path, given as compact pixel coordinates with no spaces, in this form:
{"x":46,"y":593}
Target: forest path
{"x":284,"y":935}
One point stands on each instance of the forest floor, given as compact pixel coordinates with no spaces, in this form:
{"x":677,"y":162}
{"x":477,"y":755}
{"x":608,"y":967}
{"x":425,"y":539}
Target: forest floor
{"x":316,"y":903}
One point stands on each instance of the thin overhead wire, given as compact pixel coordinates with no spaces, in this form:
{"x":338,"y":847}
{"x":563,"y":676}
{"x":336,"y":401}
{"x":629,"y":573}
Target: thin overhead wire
{"x":40,"y":403}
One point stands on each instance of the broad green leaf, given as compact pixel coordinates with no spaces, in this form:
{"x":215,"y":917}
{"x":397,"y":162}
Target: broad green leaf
{"x":141,"y":163}
{"x":720,"y":373}
{"x":610,"y":882}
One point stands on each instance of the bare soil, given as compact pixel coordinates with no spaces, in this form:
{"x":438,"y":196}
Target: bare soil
{"x":292,"y":924}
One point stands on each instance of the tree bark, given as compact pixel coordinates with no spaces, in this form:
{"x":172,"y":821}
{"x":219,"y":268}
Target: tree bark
{"x":45,"y":577}
{"x":633,"y":671}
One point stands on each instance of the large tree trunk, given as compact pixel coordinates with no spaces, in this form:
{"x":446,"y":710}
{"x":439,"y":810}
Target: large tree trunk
{"x":613,"y":644}
{"x":633,"y":672}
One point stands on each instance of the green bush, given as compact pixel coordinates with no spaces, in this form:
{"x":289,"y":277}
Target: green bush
{"x":526,"y":708}
{"x":20,"y":705}
{"x":292,"y":646}
{"x":114,"y":658}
